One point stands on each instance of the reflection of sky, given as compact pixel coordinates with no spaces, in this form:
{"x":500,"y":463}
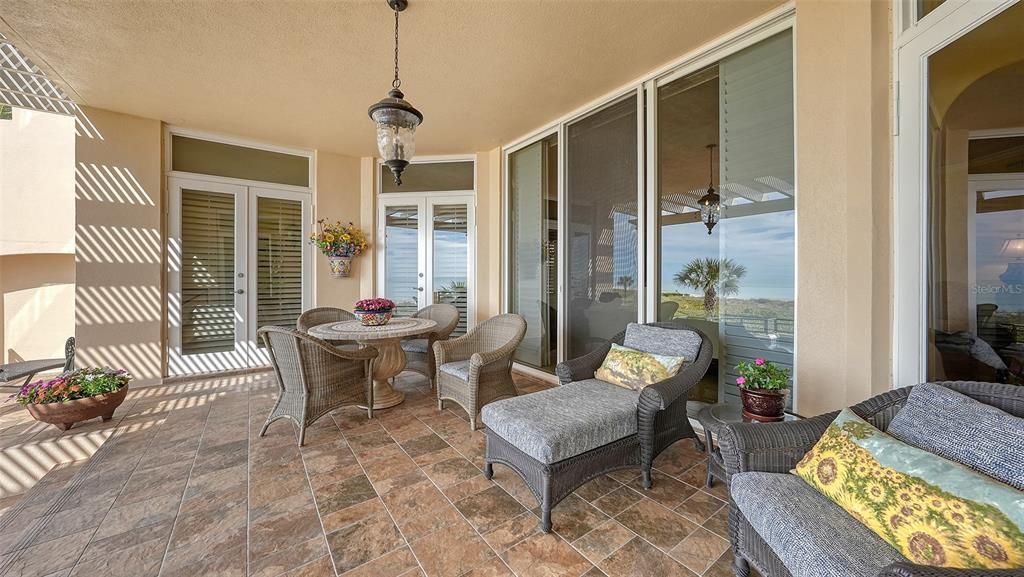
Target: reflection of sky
{"x":992,"y":230}
{"x":763,"y":243}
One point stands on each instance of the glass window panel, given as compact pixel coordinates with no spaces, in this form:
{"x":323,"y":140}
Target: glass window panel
{"x":220,"y":159}
{"x":279,"y":246}
{"x":208,"y":272}
{"x":924,"y":7}
{"x":976,"y":205}
{"x":601,"y":192}
{"x":401,"y":259}
{"x":533,"y":245}
{"x":430,"y":177}
{"x":451,"y":259}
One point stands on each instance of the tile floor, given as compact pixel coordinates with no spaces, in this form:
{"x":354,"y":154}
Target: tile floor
{"x":185,"y":487}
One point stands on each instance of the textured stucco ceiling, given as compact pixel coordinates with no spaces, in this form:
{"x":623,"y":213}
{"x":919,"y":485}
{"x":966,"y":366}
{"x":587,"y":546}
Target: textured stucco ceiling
{"x":303,"y":72}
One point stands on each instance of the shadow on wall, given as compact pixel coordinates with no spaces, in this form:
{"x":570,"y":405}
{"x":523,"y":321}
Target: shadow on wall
{"x":119,"y":312}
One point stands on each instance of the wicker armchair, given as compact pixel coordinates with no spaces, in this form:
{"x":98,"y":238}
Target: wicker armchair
{"x":315,"y":377}
{"x":778,"y":447}
{"x":320,"y":315}
{"x":661,"y":410}
{"x":476,"y":368}
{"x":419,"y":350}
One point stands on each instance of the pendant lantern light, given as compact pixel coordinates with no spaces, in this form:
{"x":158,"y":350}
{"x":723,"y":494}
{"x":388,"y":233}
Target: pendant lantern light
{"x":711,"y":203}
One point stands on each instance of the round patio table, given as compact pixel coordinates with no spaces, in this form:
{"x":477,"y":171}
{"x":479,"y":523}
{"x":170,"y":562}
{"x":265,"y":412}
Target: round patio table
{"x":387,"y":340}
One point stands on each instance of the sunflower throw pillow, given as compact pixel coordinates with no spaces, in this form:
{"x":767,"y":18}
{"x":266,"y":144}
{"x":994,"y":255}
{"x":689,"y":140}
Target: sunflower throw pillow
{"x":633,"y":369}
{"x":933,"y":511}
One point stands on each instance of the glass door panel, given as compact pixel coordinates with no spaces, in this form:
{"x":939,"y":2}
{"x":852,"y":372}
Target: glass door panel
{"x":449,"y":247}
{"x":533,"y":246}
{"x":208,"y":304}
{"x":403,"y":256}
{"x":601,"y":228}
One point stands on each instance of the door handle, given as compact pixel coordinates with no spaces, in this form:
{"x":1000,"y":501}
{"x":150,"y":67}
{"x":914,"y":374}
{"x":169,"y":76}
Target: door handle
{"x":419,"y":288}
{"x":239,"y":291}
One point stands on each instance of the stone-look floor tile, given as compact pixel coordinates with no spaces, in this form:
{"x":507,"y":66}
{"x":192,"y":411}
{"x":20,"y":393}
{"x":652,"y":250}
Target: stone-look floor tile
{"x":546,"y":555}
{"x":290,"y":555}
{"x":452,"y":471}
{"x":625,"y":476}
{"x":467,"y":488}
{"x":512,"y":532}
{"x":596,"y":572}
{"x":422,"y":445}
{"x":428,"y":521}
{"x":414,"y":500}
{"x":220,"y":456}
{"x":221,"y":483}
{"x":604,"y":540}
{"x":493,"y":568}
{"x":470,"y":444}
{"x":353,"y":514}
{"x":405,"y":428}
{"x":679,"y":458}
{"x":363,"y":541}
{"x":393,"y":564}
{"x":46,"y":558}
{"x":699,"y":507}
{"x":639,"y":559}
{"x":660,"y":526}
{"x":209,"y":525}
{"x":617,"y":501}
{"x":225,"y":560}
{"x":435,"y":456}
{"x":699,"y":551}
{"x":263,"y":491}
{"x":723,"y":567}
{"x":598,"y":488}
{"x":697,"y":476}
{"x":573,"y":518}
{"x":344,"y":494}
{"x":143,"y":485}
{"x":276,"y":526}
{"x":665,"y":490}
{"x":385,"y":473}
{"x":138,"y":552}
{"x":719,"y":523}
{"x":364,"y":446}
{"x":447,"y":425}
{"x":489,"y":508}
{"x":327,"y":457}
{"x":353,"y":421}
{"x":65,"y":522}
{"x":514,"y":485}
{"x":322,"y":567}
{"x":451,"y":551}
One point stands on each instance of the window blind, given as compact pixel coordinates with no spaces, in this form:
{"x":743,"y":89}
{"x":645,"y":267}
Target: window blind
{"x":401,"y":263}
{"x":279,"y":245}
{"x":451,"y":253}
{"x":208,"y":272}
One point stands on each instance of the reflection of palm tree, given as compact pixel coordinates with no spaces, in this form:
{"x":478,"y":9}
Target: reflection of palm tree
{"x":714,"y":277}
{"x":626,"y":282}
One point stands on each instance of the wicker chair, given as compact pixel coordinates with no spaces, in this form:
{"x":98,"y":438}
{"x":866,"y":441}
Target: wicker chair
{"x":419,"y":351}
{"x":778,"y":447}
{"x":320,"y":315}
{"x":476,"y":368}
{"x":315,"y":377}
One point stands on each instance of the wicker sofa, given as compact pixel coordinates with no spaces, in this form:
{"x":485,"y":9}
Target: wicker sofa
{"x":559,"y":439}
{"x":757,"y":458}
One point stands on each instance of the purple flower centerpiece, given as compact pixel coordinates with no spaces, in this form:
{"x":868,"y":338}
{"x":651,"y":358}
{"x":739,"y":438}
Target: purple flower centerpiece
{"x":374,"y":312}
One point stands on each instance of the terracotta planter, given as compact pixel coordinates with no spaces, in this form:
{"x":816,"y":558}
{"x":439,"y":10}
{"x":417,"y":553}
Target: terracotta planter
{"x":64,"y":415}
{"x":763,"y":405}
{"x":373,"y":318}
{"x":341,"y":266}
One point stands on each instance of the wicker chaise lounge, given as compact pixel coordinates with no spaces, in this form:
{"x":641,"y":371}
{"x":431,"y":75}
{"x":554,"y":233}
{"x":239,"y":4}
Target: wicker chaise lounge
{"x":559,"y":439}
{"x":782,"y":527}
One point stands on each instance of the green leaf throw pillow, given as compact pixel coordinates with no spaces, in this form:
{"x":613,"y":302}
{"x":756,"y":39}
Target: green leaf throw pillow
{"x":933,"y":511}
{"x":633,"y":369}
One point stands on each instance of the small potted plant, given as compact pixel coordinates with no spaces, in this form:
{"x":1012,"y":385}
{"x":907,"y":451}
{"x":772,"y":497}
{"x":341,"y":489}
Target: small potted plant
{"x":75,"y":396}
{"x":339,"y":243}
{"x":763,"y":388}
{"x":374,"y":312}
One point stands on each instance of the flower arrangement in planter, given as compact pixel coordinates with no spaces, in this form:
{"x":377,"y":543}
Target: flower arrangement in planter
{"x":75,"y":396}
{"x":763,"y":388}
{"x":374,"y":312}
{"x":339,"y":243}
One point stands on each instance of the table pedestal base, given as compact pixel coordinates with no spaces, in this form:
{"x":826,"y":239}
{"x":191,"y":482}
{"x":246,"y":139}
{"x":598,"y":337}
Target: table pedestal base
{"x":385,"y":396}
{"x":390,"y":362}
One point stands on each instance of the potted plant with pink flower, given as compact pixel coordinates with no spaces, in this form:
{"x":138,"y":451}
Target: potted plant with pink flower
{"x":75,"y":396}
{"x":374,"y":312}
{"x":763,"y":389}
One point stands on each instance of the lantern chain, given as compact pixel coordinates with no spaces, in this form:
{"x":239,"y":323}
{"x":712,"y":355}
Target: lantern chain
{"x":397,"y":82}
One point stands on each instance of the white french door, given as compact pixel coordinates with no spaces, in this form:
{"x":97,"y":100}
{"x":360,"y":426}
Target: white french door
{"x":427,"y":252}
{"x":237,"y":260}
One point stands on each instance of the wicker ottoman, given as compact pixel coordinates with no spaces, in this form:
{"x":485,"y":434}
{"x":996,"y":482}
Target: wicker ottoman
{"x":559,"y":439}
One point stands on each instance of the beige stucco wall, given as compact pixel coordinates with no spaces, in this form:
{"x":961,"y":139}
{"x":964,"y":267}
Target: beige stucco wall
{"x":338,"y":192}
{"x":842,"y":52}
{"x":119,"y":271}
{"x":489,"y":224}
{"x":37,"y":305}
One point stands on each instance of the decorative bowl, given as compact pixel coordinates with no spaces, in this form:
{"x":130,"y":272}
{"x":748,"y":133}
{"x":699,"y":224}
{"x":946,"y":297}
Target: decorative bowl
{"x":373,"y":318}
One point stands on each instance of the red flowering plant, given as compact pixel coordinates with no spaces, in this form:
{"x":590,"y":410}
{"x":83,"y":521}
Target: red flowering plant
{"x":375,"y":305}
{"x":73,"y":385}
{"x":762,"y":374}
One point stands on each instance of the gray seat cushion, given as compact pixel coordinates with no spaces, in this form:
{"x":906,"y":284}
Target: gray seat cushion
{"x":458,"y":369}
{"x":555,"y":424}
{"x":415,"y":345}
{"x":811,"y":535}
{"x":662,"y":341}
{"x":961,"y":429}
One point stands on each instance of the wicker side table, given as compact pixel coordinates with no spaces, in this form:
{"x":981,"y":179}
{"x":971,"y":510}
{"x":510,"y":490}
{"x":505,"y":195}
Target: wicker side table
{"x":713,"y":418}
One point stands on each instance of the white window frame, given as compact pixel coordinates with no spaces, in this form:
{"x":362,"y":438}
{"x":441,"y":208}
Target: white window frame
{"x":913,"y":47}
